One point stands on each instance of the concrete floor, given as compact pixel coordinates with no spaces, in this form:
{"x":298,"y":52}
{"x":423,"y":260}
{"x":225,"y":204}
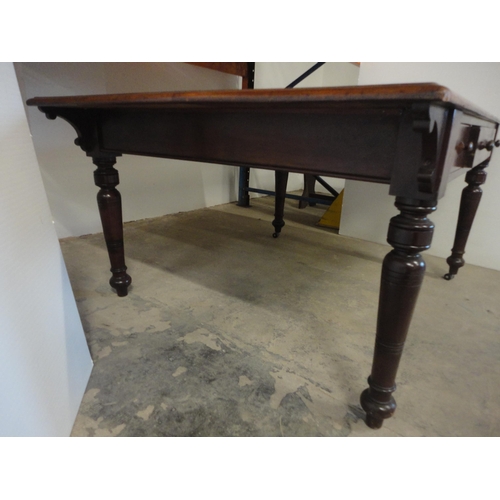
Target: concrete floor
{"x":229,"y":332}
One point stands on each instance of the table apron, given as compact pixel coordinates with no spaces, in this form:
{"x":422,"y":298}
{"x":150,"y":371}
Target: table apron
{"x":351,"y":145}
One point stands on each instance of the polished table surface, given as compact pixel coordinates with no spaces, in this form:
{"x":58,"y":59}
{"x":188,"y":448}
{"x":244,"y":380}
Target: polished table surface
{"x":413,"y":137}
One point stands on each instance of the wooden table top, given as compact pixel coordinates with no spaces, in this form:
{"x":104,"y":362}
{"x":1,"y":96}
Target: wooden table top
{"x":394,"y":94}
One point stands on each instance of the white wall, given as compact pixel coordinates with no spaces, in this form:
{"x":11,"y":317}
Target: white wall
{"x":44,"y":359}
{"x":367,"y":207}
{"x":150,"y":187}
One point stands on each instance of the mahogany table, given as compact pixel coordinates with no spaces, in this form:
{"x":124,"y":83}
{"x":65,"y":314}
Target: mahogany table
{"x":414,"y":137}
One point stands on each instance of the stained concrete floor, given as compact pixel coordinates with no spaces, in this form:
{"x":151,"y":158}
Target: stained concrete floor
{"x":229,"y":332}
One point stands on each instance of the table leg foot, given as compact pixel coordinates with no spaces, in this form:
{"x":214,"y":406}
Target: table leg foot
{"x":378,"y":405}
{"x":281,"y":180}
{"x":120,"y":281}
{"x":469,"y":202}
{"x":110,"y":210}
{"x":403,"y":270}
{"x":373,"y":422}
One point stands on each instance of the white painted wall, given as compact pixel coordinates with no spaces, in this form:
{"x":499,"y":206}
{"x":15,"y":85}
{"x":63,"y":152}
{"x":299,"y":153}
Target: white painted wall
{"x":367,"y":207}
{"x":150,"y":187}
{"x":44,"y":359}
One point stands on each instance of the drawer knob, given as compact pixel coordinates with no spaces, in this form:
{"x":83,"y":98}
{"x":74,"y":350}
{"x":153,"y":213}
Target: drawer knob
{"x":489,"y":145}
{"x":486,"y":145}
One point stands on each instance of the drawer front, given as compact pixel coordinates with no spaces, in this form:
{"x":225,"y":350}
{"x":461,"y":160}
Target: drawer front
{"x":472,"y":144}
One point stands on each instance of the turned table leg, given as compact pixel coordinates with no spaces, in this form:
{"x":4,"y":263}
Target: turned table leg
{"x":280,"y":192}
{"x":110,"y":210}
{"x":244,"y":184}
{"x":309,"y":190}
{"x":471,"y":196}
{"x":403,"y":270}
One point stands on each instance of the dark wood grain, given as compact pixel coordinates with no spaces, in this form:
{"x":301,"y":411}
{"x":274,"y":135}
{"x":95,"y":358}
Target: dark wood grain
{"x":261,"y":138}
{"x":469,"y":203}
{"x":110,"y":210}
{"x":403,"y":271}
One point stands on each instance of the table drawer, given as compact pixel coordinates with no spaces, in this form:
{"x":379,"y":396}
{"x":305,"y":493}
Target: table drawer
{"x":474,"y":145}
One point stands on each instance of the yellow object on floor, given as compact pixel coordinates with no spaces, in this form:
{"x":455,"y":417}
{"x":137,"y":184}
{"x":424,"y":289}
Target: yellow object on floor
{"x":331,"y":217}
